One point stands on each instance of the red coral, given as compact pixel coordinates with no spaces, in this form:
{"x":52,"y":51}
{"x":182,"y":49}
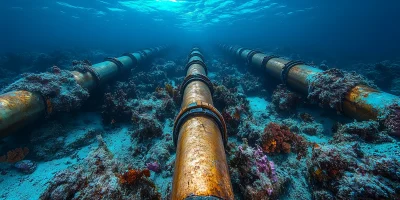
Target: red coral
{"x":278,"y":139}
{"x":15,"y":155}
{"x":130,"y":177}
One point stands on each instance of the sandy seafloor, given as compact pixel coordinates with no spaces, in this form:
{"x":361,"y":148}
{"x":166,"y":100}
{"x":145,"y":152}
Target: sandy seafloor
{"x":78,"y":142}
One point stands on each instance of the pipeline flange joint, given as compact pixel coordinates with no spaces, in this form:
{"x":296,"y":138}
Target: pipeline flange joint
{"x":199,"y":108}
{"x":132,"y":57}
{"x":266,"y":59}
{"x":286,"y":69}
{"x":250,"y":55}
{"x":196,"y":77}
{"x":195,"y":54}
{"x":199,"y":62}
{"x":142,"y":53}
{"x":195,"y":49}
{"x":241,"y":51}
{"x":93,"y":72}
{"x":116,"y":62}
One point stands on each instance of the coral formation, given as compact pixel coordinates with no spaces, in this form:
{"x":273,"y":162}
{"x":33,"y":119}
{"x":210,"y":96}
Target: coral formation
{"x":277,"y":138}
{"x":253,"y":174}
{"x":132,"y":176}
{"x":392,"y":120}
{"x":232,"y":106}
{"x":59,"y":87}
{"x":136,"y":114}
{"x":100,"y":177}
{"x":116,"y":108}
{"x":330,"y":87}
{"x":284,"y":100}
{"x":15,"y":155}
{"x":343,"y":172}
{"x":147,"y":127}
{"x":367,"y":131}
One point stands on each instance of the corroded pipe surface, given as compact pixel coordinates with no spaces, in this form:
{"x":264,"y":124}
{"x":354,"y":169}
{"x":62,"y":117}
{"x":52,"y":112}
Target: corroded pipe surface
{"x":201,"y":169}
{"x":20,"y":108}
{"x":361,"y":102}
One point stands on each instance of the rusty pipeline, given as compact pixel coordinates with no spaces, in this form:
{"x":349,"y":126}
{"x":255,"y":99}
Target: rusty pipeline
{"x":201,"y":170}
{"x":361,"y":102}
{"x":21,"y":108}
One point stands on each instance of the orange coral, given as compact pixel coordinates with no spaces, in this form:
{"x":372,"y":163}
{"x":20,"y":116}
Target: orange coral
{"x":15,"y":155}
{"x":236,"y":115}
{"x":131,"y":176}
{"x":278,"y":139}
{"x":286,"y":147}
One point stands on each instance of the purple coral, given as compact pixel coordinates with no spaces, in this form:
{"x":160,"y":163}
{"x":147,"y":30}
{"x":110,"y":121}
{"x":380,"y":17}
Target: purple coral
{"x":154,"y":166}
{"x":264,"y":165}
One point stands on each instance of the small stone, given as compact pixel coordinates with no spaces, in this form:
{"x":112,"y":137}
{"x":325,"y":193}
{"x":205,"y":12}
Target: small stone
{"x":26,"y":166}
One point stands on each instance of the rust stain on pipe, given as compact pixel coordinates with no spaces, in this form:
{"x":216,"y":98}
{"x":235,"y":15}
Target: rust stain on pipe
{"x":201,"y":168}
{"x":18,"y":109}
{"x":86,"y":80}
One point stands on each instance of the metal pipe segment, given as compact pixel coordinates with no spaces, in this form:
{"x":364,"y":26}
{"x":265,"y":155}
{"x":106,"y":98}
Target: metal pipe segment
{"x":201,"y":170}
{"x":361,"y":102}
{"x":20,"y":108}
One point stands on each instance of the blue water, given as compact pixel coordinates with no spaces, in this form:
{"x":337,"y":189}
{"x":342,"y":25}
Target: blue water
{"x":340,"y":29}
{"x":135,"y":114}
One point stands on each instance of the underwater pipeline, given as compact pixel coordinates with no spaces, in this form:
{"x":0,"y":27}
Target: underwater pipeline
{"x":200,"y":135}
{"x":361,"y":102}
{"x":20,"y":108}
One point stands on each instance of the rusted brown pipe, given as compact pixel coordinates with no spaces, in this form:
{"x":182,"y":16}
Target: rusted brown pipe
{"x":20,"y":108}
{"x":201,"y":169}
{"x":361,"y":102}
